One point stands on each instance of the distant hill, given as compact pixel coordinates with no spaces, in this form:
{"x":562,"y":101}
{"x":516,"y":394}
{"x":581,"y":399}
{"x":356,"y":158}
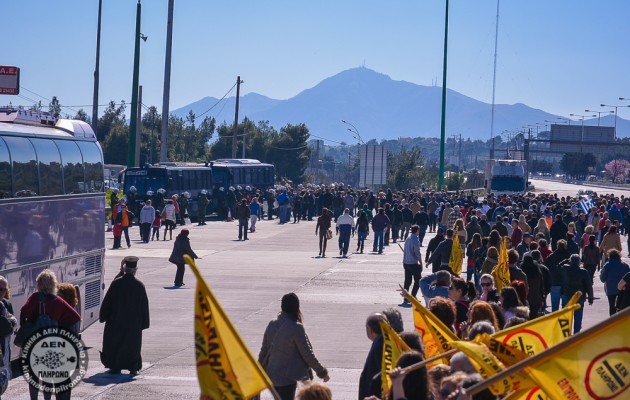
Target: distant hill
{"x":381,"y":108}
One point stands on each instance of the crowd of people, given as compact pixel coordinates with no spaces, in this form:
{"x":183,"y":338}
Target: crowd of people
{"x":555,"y":247}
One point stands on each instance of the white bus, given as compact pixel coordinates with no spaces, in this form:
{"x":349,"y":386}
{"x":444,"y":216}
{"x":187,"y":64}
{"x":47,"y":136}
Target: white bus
{"x":52,"y":206}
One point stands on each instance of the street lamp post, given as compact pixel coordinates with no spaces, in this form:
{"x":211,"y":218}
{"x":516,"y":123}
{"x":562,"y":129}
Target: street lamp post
{"x":131,"y":151}
{"x":615,"y":107}
{"x":599,"y":114}
{"x":582,"y":135}
{"x":359,"y":139}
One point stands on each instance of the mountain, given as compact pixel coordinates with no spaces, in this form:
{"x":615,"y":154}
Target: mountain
{"x":382,"y":108}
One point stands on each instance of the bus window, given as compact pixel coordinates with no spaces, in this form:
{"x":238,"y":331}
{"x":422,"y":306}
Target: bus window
{"x":72,"y":166}
{"x":50,"y":178}
{"x":24,"y":166}
{"x":93,"y":166}
{"x":5,"y":172}
{"x":248,"y":175}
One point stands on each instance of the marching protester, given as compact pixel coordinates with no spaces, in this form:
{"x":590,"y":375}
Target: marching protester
{"x":412,"y":261}
{"x":286,"y":353}
{"x":181,"y":247}
{"x":345,"y":228}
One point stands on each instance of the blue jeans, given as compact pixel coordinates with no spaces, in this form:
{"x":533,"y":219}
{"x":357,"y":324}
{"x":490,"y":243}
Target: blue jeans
{"x":421,"y":232}
{"x":344,"y":242}
{"x":577,"y":314}
{"x":555,"y":298}
{"x":361,"y":240}
{"x":379,"y":238}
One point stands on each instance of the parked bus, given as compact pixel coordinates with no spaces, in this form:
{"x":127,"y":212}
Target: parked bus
{"x":242,"y":172}
{"x":173,"y":178}
{"x":52,"y":206}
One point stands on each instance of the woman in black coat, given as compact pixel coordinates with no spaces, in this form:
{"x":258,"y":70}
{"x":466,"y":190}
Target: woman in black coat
{"x":181,"y":247}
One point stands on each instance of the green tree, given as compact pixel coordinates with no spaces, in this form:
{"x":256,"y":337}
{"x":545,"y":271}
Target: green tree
{"x":112,"y":116}
{"x":116,"y":144}
{"x":541,"y":166}
{"x":54,"y":108}
{"x":151,"y":136}
{"x":454,"y":181}
{"x":576,"y":165}
{"x":401,"y":166}
{"x":289,"y":152}
{"x":82,"y":116}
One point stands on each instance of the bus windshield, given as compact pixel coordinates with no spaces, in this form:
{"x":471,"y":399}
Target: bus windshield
{"x":146,"y":179}
{"x":508,"y":184}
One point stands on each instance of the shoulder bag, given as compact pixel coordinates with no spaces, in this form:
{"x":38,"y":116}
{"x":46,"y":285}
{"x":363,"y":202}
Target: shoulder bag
{"x":27,"y":329}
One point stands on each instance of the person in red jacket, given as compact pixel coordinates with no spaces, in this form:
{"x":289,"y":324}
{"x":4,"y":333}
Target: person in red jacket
{"x":55,"y":307}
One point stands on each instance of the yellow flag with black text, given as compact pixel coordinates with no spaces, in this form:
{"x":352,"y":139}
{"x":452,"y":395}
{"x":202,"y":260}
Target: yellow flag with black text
{"x":534,"y":393}
{"x":485,"y":363}
{"x":393,"y":347}
{"x":539,"y":334}
{"x":501,"y":272}
{"x":435,"y":335}
{"x":457,"y":256}
{"x":225,"y":367}
{"x":594,"y":364}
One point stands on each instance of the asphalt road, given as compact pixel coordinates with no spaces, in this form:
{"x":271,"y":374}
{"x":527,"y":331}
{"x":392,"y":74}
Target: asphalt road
{"x":249,"y":278}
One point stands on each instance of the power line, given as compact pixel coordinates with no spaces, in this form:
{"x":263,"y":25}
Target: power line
{"x":218,"y":101}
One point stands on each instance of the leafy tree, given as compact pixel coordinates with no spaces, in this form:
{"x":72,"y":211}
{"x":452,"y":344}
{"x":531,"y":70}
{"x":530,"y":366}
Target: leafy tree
{"x":577,"y":164}
{"x":400,"y":167}
{"x":54,"y":107}
{"x":151,"y":141}
{"x":288,"y":150}
{"x":82,"y":116}
{"x":541,"y":166}
{"x":618,"y":169}
{"x":454,"y":181}
{"x":116,"y":144}
{"x":112,"y":116}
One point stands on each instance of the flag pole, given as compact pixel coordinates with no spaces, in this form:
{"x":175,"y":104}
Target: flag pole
{"x":230,"y":326}
{"x":421,"y":364}
{"x":607,"y":323}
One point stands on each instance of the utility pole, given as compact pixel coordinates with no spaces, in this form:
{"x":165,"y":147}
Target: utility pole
{"x":443,"y":123}
{"x":317,"y":179}
{"x":167,"y":83}
{"x":459,"y":159}
{"x":131,"y":151}
{"x":96,"y":69}
{"x":138,"y":127}
{"x":235,"y":130}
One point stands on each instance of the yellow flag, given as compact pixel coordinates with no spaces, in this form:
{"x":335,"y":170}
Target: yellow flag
{"x":539,"y":334}
{"x":393,"y":347}
{"x":528,"y":394}
{"x":501,"y":272}
{"x":506,"y":354}
{"x":594,"y":364}
{"x":457,"y":256}
{"x":225,"y":367}
{"x":435,"y":335}
{"x":485,"y":363}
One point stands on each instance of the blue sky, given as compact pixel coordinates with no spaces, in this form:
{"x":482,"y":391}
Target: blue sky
{"x":559,"y":56}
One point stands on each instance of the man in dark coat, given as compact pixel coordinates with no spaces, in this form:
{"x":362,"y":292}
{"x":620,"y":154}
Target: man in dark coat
{"x":125,"y":311}
{"x":368,"y":386}
{"x":181,"y":247}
